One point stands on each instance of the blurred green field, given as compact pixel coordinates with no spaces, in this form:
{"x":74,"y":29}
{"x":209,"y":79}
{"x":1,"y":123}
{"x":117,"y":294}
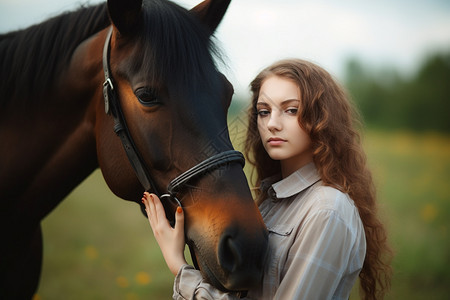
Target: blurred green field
{"x":97,"y":246}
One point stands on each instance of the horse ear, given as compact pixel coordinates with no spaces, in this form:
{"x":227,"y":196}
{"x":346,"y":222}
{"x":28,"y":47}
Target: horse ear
{"x":125,"y":14}
{"x":211,"y":12}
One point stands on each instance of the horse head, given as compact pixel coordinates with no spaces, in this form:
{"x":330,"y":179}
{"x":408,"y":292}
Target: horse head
{"x":170,"y":106}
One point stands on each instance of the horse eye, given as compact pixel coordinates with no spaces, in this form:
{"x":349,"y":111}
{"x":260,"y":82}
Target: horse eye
{"x":147,"y":96}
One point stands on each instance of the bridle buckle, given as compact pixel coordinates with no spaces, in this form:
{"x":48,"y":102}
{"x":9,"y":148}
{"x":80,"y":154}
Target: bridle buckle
{"x":107,"y":88}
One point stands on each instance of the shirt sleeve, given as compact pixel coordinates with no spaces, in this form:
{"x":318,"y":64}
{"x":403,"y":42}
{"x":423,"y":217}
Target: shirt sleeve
{"x":189,"y":284}
{"x":318,"y":259}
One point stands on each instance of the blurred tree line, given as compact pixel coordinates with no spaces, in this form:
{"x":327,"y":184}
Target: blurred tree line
{"x":388,"y":100}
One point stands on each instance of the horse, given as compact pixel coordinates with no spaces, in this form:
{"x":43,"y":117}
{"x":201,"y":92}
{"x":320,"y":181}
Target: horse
{"x":130,"y":87}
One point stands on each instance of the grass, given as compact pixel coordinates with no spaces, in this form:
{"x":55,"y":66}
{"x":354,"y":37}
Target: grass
{"x":413,"y":175}
{"x":100,"y":247}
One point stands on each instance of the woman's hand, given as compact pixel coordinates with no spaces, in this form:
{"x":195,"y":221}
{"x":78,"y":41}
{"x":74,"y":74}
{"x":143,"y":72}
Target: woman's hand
{"x":170,"y":240}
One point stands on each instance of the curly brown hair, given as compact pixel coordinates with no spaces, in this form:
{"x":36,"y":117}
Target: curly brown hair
{"x":331,"y":121}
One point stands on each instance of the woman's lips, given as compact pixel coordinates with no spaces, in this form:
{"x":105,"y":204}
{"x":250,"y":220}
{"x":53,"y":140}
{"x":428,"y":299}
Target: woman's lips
{"x":273,"y":141}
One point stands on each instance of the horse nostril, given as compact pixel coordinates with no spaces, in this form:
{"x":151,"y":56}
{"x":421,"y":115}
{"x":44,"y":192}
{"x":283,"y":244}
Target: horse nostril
{"x":241,"y":257}
{"x":230,"y":257}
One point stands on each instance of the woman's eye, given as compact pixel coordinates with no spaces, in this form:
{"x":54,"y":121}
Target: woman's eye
{"x":147,"y":96}
{"x":292,"y":110}
{"x":263,"y":112}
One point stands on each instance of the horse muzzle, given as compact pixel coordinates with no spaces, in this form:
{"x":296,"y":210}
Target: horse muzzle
{"x":232,"y":259}
{"x":242,"y":259}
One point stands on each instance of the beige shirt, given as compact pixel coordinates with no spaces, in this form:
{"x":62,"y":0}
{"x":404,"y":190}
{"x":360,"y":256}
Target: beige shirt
{"x":316,"y":244}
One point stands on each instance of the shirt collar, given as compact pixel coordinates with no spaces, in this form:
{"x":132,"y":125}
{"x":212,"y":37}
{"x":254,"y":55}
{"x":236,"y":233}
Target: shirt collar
{"x":293,"y":184}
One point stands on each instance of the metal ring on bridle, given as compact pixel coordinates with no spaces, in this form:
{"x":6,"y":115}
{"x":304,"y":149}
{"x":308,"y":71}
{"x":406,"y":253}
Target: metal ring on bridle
{"x":170,"y":196}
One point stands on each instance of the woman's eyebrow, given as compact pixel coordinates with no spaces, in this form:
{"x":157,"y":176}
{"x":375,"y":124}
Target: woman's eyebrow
{"x":284,"y":103}
{"x":289,"y":101}
{"x":265,"y":100}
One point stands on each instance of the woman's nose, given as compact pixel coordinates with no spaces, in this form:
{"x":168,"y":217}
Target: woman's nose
{"x":274,"y":123}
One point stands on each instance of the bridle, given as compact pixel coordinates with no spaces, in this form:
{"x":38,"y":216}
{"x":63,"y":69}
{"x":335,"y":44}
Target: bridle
{"x":112,"y":107}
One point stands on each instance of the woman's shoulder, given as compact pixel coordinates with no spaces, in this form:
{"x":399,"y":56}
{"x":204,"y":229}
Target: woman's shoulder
{"x":330,"y":199}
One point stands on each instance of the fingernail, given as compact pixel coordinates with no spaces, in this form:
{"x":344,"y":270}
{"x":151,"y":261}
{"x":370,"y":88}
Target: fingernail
{"x":179,"y":210}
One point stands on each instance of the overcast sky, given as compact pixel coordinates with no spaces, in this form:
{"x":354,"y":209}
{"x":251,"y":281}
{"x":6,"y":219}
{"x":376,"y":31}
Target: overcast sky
{"x":254,"y":33}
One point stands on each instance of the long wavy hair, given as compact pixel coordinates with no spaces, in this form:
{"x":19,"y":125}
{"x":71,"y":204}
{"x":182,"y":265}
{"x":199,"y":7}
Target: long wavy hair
{"x":332,"y":122}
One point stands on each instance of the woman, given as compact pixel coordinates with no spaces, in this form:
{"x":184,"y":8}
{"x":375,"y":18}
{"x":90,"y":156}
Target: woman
{"x":315,"y":194}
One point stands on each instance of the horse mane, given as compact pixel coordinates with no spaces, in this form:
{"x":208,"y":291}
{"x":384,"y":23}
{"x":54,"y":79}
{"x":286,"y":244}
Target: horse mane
{"x":31,"y":59}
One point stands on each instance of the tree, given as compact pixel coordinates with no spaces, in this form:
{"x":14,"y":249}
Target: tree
{"x":385,"y":99}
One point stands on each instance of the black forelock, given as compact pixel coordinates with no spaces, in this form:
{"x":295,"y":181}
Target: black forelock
{"x":174,"y":48}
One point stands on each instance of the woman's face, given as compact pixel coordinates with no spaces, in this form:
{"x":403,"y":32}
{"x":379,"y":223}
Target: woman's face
{"x":278,"y":107}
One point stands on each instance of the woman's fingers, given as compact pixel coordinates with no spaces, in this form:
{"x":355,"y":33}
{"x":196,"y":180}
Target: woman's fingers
{"x":157,"y":216}
{"x":146,"y":204}
{"x":159,"y":208}
{"x":156,"y":213}
{"x":170,"y":240}
{"x":149,"y":202}
{"x":179,"y":221}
